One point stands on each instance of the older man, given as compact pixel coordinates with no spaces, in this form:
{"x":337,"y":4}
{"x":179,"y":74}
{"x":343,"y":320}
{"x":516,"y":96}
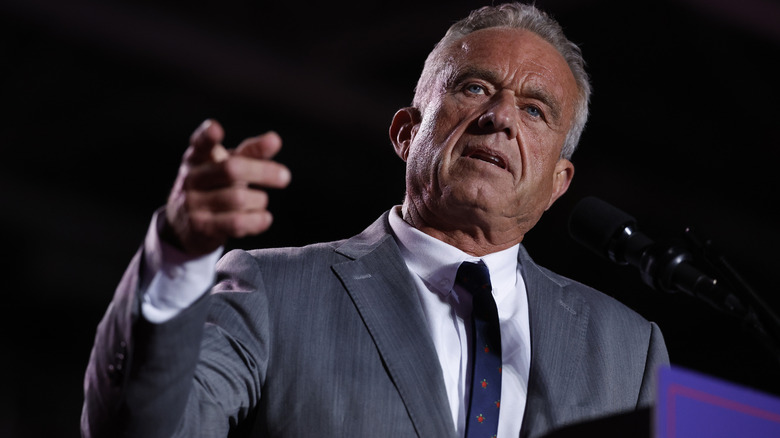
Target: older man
{"x":388,"y":333}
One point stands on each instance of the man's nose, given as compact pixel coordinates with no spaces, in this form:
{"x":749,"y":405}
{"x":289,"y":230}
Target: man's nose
{"x":501,"y":115}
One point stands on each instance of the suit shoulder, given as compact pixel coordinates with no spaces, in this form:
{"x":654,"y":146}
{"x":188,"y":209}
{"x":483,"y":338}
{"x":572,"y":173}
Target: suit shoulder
{"x":325,"y":251}
{"x":602,"y":305}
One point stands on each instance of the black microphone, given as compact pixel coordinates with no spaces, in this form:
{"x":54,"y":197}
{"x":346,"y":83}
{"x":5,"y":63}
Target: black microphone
{"x":612,"y":233}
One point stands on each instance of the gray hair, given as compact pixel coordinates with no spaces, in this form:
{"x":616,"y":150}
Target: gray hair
{"x":518,"y":16}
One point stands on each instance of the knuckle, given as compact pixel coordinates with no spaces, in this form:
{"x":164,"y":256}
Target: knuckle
{"x":231,"y":168}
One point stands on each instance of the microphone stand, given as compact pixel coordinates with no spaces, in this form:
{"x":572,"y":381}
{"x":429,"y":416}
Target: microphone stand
{"x":750,"y":308}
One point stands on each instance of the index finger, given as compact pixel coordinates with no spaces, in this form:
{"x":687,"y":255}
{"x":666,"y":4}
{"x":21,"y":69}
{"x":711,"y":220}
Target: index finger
{"x":263,"y":147}
{"x":239,"y":170}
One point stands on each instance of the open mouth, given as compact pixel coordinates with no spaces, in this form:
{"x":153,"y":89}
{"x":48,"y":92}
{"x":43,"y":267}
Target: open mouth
{"x":486,"y":156}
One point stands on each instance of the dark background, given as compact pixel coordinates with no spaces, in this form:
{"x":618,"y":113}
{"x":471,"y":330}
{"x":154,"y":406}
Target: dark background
{"x":100,"y":98}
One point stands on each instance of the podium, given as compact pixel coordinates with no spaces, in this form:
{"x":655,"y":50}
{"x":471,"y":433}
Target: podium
{"x":690,"y":405}
{"x":694,"y":405}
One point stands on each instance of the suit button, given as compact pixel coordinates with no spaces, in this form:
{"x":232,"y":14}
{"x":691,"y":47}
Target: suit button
{"x":115,"y":369}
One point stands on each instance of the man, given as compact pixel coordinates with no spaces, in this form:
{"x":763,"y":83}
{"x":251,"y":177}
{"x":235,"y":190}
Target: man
{"x":373,"y":335}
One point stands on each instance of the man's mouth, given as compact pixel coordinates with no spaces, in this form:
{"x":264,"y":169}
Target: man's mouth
{"x":486,"y":156}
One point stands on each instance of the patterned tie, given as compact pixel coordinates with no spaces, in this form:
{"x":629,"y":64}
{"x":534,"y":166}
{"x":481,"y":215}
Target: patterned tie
{"x":482,"y":420}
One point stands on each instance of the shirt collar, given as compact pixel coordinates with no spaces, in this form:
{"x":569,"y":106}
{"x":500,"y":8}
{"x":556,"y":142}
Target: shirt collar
{"x":436,"y":262}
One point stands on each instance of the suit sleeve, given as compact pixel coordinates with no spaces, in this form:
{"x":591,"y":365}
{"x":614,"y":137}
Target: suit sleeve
{"x":189,"y":376}
{"x":657,"y":356}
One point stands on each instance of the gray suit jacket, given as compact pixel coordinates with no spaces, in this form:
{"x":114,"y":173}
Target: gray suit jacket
{"x":330,"y":340}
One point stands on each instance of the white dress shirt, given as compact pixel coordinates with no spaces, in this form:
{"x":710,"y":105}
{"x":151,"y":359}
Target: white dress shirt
{"x":175,"y":281}
{"x":172,"y":279}
{"x":447,"y":307}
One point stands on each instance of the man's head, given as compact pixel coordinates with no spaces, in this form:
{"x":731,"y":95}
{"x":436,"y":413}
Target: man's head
{"x":483,"y":142}
{"x":518,"y":16}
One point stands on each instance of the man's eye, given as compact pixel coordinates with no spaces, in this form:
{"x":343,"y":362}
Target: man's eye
{"x":533,"y":111}
{"x":475,"y":89}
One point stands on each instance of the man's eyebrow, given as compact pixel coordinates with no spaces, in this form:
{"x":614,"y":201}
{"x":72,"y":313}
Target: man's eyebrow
{"x":471,"y":72}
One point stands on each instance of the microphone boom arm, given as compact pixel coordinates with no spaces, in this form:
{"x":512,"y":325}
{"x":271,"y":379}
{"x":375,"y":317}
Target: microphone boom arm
{"x":612,"y":233}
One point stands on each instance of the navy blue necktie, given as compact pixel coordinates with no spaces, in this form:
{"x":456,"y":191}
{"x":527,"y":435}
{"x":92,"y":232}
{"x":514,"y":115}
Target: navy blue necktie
{"x":485,"y":400}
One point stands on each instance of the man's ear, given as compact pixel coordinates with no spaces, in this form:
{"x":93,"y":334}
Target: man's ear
{"x":403,"y":129}
{"x":562,"y":176}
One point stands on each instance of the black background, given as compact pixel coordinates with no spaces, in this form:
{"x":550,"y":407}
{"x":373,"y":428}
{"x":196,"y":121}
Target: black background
{"x":100,"y":98}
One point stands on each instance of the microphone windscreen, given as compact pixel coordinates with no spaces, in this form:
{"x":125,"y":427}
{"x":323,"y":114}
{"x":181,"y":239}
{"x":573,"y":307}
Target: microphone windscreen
{"x":594,"y":224}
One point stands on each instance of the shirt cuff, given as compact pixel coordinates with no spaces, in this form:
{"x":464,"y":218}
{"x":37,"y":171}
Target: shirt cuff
{"x":174,"y":280}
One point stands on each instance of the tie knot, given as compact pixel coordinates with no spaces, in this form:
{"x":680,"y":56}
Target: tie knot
{"x":474,"y":277}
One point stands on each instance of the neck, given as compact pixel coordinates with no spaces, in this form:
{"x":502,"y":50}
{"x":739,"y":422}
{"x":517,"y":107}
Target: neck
{"x":474,"y":237}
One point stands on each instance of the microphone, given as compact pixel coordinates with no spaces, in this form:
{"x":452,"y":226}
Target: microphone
{"x":612,"y":233}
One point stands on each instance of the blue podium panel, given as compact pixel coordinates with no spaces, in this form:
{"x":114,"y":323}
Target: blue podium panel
{"x":692,"y":405}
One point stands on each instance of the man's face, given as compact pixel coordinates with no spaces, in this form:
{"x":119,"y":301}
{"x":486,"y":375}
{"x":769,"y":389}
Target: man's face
{"x":486,"y":148}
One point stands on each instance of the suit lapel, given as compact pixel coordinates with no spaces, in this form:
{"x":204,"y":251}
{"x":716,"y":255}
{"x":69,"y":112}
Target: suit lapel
{"x":380,"y":285}
{"x":558,"y":322}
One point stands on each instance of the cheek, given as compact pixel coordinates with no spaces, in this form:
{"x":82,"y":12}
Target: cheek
{"x":532,"y":151}
{"x":540,"y":167}
{"x":543,"y":148}
{"x":426,"y":145}
{"x":430,"y":126}
{"x":421,"y":163}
